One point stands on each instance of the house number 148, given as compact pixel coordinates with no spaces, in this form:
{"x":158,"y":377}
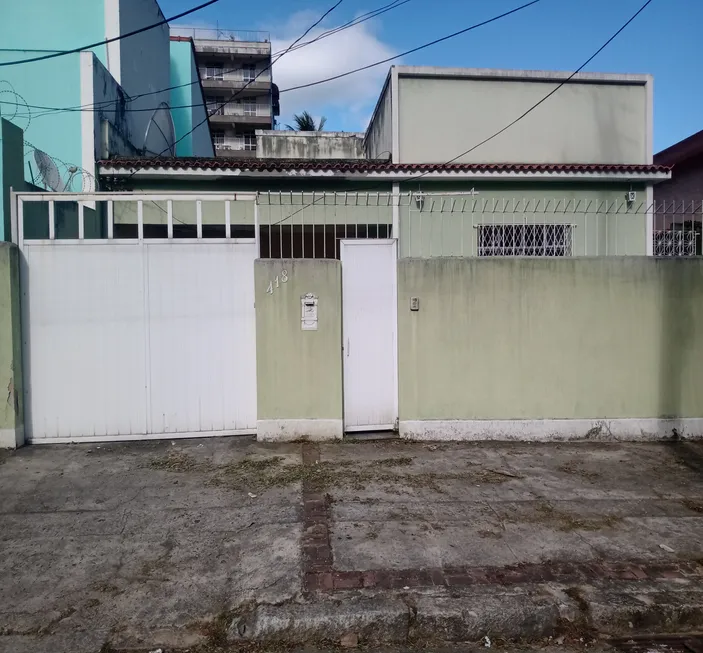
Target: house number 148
{"x":276,"y":283}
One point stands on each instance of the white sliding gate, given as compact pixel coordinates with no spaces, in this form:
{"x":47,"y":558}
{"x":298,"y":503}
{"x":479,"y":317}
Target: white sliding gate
{"x":137,"y":337}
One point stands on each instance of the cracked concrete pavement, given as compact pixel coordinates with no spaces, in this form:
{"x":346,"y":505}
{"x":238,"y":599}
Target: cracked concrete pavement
{"x":150,"y":543}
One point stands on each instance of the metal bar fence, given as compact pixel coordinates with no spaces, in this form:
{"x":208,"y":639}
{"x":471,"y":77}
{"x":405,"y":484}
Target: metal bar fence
{"x":463,"y":225}
{"x":95,"y":218}
{"x":311,"y":224}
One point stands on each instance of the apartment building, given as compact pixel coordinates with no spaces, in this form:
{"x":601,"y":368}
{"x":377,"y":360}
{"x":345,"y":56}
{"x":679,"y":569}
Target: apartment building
{"x":235,"y":68}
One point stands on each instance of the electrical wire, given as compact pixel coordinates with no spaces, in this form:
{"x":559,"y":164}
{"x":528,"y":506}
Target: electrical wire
{"x":99,"y":106}
{"x":362,"y":68}
{"x":112,"y":40}
{"x":552,"y":92}
{"x":511,"y":124}
{"x":261,"y":72}
{"x":413,"y":50}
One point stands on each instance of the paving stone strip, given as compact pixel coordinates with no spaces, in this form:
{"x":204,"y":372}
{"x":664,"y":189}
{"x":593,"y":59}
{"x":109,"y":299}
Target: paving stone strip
{"x":320,"y":575}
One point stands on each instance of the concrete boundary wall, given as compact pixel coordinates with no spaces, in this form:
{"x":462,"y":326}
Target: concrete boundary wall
{"x":540,"y":349}
{"x":299,"y":372}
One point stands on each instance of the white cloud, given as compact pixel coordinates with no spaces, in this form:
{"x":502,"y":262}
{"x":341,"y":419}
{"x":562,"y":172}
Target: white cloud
{"x":347,"y":102}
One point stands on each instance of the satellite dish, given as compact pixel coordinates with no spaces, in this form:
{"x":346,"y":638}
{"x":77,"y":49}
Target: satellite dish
{"x":161,"y":132}
{"x":50,"y":175}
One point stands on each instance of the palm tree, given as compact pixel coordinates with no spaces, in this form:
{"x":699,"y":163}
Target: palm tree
{"x":304,"y":122}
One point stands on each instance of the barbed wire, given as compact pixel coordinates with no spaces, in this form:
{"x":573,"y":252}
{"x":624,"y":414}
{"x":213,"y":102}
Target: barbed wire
{"x":74,"y":178}
{"x":16,"y":102}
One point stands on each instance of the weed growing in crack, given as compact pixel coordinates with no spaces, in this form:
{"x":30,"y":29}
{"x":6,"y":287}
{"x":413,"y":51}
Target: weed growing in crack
{"x":174,"y":462}
{"x":259,"y":474}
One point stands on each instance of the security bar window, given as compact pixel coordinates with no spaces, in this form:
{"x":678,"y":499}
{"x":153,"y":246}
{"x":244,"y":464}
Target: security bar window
{"x":525,"y":240}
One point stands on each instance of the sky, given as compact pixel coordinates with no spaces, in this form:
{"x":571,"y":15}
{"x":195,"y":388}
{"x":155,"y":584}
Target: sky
{"x":665,"y":40}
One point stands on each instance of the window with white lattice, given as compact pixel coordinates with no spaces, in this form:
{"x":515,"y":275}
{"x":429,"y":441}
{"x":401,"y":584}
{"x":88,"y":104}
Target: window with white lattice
{"x":249,"y":72}
{"x":249,"y":107}
{"x":525,"y":240}
{"x":218,"y":137}
{"x":215,"y":105}
{"x":250,"y":142}
{"x":215,"y":71}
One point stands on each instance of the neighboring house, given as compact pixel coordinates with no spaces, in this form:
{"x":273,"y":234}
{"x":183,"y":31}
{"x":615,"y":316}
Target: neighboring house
{"x":236,"y":71}
{"x":118,"y":94}
{"x":679,"y":200}
{"x":574,"y":177}
{"x":176,"y":310}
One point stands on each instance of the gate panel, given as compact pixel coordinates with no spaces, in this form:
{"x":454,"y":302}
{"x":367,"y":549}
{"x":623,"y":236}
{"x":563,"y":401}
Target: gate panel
{"x":202,"y":337}
{"x":128,"y":340}
{"x":84,"y":340}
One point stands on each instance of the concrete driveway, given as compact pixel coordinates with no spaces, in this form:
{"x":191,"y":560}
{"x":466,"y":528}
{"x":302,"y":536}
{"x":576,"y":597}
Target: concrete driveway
{"x":164,"y":543}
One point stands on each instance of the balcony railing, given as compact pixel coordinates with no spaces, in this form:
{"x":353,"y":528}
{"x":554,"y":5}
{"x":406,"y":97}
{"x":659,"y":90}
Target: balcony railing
{"x":231,"y":85}
{"x":205,"y":34}
{"x":216,"y":109}
{"x":236,"y":144}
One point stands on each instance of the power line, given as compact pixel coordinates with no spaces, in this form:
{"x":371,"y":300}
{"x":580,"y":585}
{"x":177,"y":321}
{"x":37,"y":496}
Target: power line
{"x":509,"y":125}
{"x":411,"y":51}
{"x":356,"y":21}
{"x":112,"y":40}
{"x":102,"y":105}
{"x":261,"y":72}
{"x":374,"y":64}
{"x":552,"y":92}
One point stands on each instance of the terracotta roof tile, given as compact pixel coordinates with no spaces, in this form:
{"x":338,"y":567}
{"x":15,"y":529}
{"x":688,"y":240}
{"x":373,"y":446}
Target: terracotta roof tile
{"x":364,"y":166}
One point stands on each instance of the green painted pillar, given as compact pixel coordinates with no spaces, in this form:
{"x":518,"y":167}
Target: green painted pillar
{"x":11,"y":411}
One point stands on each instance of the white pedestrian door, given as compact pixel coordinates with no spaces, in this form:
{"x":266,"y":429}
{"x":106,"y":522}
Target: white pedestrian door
{"x":369,"y":311}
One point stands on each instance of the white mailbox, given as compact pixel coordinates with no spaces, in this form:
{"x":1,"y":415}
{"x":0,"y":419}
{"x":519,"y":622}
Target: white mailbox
{"x":308,"y":312}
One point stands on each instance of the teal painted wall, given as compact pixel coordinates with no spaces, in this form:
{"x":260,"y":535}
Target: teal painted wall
{"x":181,"y":55}
{"x":32,"y":28}
{"x":198,"y":141}
{"x":55,"y":83}
{"x":48,"y":25}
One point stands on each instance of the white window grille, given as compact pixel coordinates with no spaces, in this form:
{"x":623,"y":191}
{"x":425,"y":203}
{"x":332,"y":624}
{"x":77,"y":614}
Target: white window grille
{"x":525,"y":240}
{"x":218,"y":138}
{"x":249,"y":142}
{"x":215,"y":105}
{"x":214,"y":72}
{"x":675,"y":242}
{"x":248,"y":73}
{"x":249,"y":107}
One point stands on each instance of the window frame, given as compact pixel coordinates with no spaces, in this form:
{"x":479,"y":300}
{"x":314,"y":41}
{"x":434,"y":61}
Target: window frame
{"x":248,"y":68}
{"x":216,"y":75}
{"x":508,"y":240}
{"x":216,"y":135}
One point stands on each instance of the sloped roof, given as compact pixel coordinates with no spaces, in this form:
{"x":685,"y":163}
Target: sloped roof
{"x":366,"y":166}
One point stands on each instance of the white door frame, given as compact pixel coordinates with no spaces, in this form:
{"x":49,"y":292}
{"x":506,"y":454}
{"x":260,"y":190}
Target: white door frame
{"x":372,"y":241}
